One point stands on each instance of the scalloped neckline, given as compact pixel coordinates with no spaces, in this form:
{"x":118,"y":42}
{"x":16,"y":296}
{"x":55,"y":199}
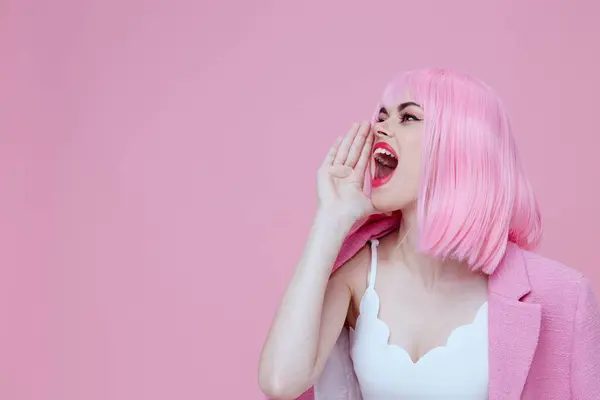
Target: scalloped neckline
{"x":434,"y":350}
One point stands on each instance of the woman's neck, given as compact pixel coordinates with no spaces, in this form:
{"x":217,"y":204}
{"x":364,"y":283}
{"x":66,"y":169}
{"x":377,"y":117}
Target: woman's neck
{"x":430,"y":271}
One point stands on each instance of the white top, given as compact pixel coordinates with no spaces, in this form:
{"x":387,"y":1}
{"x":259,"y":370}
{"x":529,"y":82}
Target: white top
{"x":456,"y":371}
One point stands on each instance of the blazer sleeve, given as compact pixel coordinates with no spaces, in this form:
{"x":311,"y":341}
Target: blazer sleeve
{"x":585,"y":363}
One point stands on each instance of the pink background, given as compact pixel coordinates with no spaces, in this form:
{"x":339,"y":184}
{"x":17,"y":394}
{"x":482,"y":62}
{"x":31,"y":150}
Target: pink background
{"x":157,"y":167}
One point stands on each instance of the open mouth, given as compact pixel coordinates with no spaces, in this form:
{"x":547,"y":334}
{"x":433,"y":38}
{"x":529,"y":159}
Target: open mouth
{"x":386,"y":161}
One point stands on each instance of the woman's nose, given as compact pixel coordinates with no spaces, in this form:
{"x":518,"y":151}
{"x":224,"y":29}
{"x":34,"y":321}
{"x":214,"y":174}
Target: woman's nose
{"x":381,"y":131}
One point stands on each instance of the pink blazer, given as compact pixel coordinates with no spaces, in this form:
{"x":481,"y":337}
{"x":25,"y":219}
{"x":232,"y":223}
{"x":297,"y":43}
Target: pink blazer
{"x":544,"y":330}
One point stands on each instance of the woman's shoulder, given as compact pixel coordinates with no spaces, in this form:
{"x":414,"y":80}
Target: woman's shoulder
{"x":542,"y":268}
{"x":353,"y":273}
{"x":355,"y":265}
{"x":553,"y":282}
{"x":545,"y":271}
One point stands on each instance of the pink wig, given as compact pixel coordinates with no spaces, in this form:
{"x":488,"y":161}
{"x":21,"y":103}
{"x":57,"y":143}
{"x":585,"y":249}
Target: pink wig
{"x":474,"y":194}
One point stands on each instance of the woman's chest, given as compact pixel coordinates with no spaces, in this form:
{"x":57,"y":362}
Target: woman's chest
{"x":417,"y":321}
{"x":458,"y":366}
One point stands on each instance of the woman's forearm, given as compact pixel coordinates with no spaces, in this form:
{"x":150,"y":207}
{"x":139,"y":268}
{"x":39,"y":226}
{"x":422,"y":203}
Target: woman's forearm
{"x":289,"y":355}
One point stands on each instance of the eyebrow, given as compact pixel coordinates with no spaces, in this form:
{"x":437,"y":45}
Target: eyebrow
{"x":402,"y":106}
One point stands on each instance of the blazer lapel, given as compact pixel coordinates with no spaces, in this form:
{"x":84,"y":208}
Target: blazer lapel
{"x":513,"y":327}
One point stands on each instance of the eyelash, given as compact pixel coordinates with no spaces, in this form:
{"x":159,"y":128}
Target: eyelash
{"x":403,"y":118}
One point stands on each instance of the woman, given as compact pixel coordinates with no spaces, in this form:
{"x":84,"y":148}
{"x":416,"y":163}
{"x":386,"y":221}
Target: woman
{"x":437,"y":296}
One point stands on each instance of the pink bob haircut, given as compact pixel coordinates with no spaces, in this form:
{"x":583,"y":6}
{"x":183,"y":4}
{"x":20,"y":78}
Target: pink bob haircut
{"x":474,"y":194}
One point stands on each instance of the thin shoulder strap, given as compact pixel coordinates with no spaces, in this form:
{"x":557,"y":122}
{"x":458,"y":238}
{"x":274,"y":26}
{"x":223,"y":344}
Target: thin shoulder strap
{"x":373,"y":269}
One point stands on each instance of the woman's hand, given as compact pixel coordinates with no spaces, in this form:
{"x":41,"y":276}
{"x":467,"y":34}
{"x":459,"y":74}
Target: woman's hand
{"x":341,"y":176}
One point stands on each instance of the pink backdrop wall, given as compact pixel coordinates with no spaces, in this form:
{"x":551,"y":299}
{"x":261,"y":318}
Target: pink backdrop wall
{"x":157,"y":167}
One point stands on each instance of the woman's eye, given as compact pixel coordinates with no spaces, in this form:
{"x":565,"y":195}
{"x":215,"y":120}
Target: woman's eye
{"x":382,"y":117}
{"x":408,"y":117}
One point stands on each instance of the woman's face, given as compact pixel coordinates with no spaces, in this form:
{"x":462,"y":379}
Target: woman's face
{"x":396,"y":161}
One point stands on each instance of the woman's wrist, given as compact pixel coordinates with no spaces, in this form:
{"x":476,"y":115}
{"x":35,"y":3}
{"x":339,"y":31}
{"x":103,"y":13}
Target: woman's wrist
{"x":333,"y":221}
{"x":326,"y":237}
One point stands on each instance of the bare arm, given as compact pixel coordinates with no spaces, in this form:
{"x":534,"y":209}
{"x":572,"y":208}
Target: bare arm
{"x":309,"y":319}
{"x":314,"y":307}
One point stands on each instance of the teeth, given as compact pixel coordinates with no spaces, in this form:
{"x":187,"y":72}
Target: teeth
{"x":384,"y":151}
